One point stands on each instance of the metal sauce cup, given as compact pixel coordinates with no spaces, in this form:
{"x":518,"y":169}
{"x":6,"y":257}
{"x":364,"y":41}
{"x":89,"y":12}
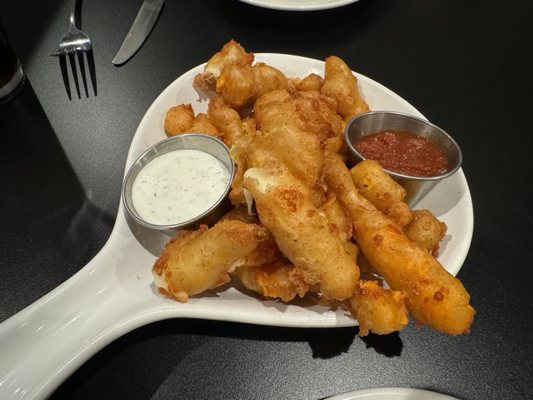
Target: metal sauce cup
{"x":378,"y":121}
{"x":191,"y":141}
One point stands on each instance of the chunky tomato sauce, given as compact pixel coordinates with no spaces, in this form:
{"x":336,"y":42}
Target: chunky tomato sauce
{"x":404,"y":153}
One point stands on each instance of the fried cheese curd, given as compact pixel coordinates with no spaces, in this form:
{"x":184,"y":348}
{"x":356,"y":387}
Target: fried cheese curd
{"x":232,"y":74}
{"x":300,"y":219}
{"x":195,"y":261}
{"x":434,"y":297}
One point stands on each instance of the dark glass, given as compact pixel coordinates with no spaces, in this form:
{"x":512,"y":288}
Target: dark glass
{"x":11,"y":75}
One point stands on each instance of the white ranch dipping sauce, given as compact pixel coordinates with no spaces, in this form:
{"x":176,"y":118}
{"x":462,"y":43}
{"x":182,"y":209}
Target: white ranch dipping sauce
{"x":178,"y":186}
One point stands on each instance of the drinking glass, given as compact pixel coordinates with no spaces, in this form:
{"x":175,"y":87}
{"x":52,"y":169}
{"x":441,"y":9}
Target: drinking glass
{"x":11,"y":72}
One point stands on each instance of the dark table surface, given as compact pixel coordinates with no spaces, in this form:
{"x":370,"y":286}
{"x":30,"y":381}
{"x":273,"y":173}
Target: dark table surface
{"x":466,"y":65}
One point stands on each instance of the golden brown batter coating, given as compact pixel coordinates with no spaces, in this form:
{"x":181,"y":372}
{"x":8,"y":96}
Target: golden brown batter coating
{"x":226,"y":120}
{"x":179,"y":119}
{"x":277,"y":280}
{"x":434,"y":297}
{"x":378,"y":310}
{"x":302,"y":232}
{"x":195,"y":261}
{"x":203,"y":123}
{"x":267,"y":79}
{"x":230,"y":56}
{"x":341,"y":84}
{"x":310,"y":82}
{"x":384,"y":192}
{"x":232,"y":76}
{"x":426,"y":231}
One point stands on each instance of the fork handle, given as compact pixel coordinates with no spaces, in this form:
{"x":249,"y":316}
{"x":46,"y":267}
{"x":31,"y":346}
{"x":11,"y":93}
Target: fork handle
{"x":76,"y":7}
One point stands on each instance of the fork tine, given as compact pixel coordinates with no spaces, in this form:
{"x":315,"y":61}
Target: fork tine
{"x":64,"y":74}
{"x":72,"y":60}
{"x":92,"y":70}
{"x":73,"y":42}
{"x":81,"y":63}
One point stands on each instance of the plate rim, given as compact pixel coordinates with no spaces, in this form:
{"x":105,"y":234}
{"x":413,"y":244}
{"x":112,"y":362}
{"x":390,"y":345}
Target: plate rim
{"x":392,"y":393}
{"x":301,"y":6}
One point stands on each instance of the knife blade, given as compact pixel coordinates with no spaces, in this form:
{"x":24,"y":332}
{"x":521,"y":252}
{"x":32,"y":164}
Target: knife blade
{"x":139,"y":31}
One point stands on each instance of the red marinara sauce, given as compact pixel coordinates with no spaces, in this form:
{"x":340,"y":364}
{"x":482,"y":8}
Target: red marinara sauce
{"x":404,"y":153}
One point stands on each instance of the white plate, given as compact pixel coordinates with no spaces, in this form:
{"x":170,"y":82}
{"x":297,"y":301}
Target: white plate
{"x":114,"y":293}
{"x":392,"y":394}
{"x":299,"y":5}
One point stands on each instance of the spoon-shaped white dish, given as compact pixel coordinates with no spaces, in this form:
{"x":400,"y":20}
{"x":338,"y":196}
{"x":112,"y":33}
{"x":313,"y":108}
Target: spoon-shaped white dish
{"x":114,"y":293}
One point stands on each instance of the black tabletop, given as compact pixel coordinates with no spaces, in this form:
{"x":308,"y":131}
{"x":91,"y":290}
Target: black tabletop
{"x":466,"y":65}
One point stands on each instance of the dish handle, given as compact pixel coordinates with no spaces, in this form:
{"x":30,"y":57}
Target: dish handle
{"x":44,"y":343}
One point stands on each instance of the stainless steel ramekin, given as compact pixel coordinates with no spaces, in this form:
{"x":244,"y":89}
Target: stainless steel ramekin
{"x":378,"y":121}
{"x":191,"y":141}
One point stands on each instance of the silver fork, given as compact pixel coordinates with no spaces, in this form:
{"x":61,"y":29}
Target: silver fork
{"x":76,"y":42}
